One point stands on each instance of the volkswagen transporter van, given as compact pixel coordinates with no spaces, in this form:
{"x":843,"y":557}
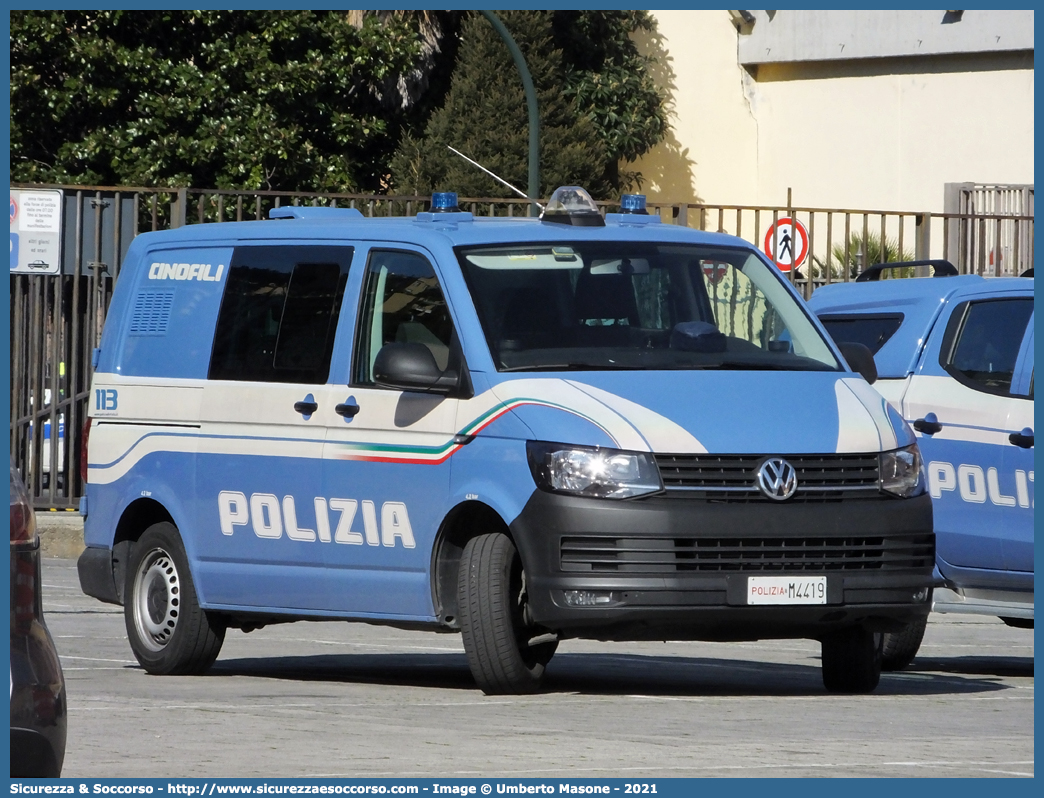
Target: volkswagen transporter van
{"x":527,"y":430}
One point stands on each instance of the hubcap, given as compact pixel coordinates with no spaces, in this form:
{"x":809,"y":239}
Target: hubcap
{"x":156,"y":599}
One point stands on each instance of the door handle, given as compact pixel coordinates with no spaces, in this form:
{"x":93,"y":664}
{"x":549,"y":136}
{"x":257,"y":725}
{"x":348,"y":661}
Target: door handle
{"x":306,"y":406}
{"x":348,"y":408}
{"x":929,"y":425}
{"x":1024,"y":439}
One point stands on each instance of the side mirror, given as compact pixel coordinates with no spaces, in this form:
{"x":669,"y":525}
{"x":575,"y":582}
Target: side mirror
{"x":860,"y":359}
{"x":412,"y":367}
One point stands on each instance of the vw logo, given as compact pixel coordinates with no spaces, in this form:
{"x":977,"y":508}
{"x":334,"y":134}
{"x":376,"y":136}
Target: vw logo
{"x":777,"y":479}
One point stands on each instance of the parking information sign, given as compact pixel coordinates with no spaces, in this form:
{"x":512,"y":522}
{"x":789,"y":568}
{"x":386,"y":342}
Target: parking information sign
{"x":36,"y":231}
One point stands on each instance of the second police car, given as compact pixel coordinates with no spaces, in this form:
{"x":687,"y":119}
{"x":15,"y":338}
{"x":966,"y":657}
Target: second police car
{"x":527,"y":430}
{"x":954,"y":354}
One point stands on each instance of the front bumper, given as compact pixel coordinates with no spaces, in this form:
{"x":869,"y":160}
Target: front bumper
{"x":674,"y":568}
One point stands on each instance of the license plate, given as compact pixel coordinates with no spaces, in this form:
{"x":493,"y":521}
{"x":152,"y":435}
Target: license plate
{"x":786,"y":590}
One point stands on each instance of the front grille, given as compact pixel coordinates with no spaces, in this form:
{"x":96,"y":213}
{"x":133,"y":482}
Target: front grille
{"x":672,"y":555}
{"x":730,"y":478}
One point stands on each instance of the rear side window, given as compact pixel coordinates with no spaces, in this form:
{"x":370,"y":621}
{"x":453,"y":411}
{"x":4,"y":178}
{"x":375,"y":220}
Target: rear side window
{"x":983,"y":340}
{"x":279,"y":314}
{"x":872,"y":330}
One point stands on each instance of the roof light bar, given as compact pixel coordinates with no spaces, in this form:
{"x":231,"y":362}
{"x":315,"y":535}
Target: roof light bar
{"x":633,"y":203}
{"x":444,"y":202}
{"x":572,"y":205}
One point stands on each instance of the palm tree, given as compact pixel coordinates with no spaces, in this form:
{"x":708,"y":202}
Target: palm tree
{"x":403,"y":91}
{"x":862,"y":257}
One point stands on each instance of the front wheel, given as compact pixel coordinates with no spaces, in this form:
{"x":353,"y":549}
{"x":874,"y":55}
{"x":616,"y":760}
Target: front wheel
{"x":506,"y":652}
{"x":852,"y":660}
{"x":168,"y":631}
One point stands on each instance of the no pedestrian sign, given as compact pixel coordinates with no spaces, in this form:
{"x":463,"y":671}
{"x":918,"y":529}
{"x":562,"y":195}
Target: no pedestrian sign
{"x":786,"y":243}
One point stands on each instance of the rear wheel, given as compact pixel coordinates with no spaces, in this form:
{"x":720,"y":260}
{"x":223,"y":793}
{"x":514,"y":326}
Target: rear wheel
{"x":168,"y":631}
{"x":852,"y":660}
{"x":898,"y":649}
{"x":506,"y":652}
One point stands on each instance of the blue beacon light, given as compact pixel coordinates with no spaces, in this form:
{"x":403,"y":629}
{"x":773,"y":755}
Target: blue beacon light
{"x":444,"y":202}
{"x":633,"y":203}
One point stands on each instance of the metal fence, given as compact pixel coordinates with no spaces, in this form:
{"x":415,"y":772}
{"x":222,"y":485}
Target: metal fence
{"x":842,"y":242}
{"x":56,"y":321}
{"x":996,"y":230}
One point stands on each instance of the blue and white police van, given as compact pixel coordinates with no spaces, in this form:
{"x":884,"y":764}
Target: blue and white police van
{"x":525,"y":430}
{"x":954,"y":354}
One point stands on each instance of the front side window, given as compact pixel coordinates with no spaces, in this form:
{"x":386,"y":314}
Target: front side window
{"x":402,"y":302}
{"x":983,"y":342}
{"x":279,"y":314}
{"x":638,"y":305}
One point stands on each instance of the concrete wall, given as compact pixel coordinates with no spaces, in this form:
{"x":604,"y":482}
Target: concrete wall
{"x":866,"y":132}
{"x":782,"y":36}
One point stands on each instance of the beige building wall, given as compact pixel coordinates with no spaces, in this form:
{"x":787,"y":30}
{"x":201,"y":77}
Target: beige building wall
{"x":864,"y":134}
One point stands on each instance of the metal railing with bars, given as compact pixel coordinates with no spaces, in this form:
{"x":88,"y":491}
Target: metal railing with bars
{"x":56,"y":321}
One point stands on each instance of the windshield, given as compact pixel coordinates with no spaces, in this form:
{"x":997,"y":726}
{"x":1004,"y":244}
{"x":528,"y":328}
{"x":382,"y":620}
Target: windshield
{"x":638,"y":305}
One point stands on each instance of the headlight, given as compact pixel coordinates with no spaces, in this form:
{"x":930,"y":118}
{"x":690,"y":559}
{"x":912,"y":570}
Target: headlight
{"x":902,"y":472}
{"x":582,"y":471}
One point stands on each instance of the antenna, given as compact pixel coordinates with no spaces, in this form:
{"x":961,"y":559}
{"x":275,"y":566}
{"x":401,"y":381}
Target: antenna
{"x":499,"y":179}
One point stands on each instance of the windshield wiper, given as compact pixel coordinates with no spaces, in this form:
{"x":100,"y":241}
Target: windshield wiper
{"x":743,"y":365}
{"x":573,"y":367}
{"x":722,"y":365}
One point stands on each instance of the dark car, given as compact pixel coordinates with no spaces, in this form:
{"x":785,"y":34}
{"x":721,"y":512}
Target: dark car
{"x":38,"y":705}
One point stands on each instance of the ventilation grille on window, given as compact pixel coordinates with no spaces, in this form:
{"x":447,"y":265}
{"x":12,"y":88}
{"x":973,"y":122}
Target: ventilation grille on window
{"x":151,"y":312}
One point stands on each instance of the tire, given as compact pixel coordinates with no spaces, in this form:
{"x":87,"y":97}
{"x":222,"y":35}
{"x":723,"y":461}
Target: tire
{"x":898,"y":649}
{"x":852,"y":661}
{"x":168,"y":631}
{"x":491,"y":593}
{"x":1019,"y":623}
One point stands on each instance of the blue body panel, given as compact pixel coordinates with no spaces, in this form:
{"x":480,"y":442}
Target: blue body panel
{"x":158,"y":477}
{"x":147,"y":313}
{"x":495,"y":472}
{"x":973,"y":534}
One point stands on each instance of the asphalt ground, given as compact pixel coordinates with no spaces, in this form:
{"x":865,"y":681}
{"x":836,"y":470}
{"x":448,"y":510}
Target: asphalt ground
{"x":352,"y":700}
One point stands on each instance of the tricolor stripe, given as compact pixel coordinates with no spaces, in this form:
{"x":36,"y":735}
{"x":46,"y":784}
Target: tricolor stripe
{"x":433,"y":455}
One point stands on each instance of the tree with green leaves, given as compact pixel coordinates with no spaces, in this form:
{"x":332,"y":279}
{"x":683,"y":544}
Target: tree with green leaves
{"x":598,"y":106}
{"x":244,"y":99}
{"x":609,"y":81}
{"x":319,"y":101}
